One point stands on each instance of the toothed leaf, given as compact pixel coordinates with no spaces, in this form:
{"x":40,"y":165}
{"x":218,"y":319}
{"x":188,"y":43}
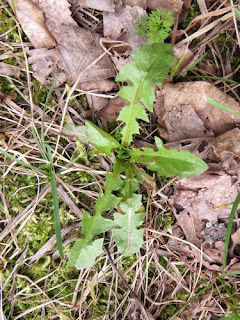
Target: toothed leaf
{"x":83,"y":254}
{"x":127,"y":236}
{"x":151,"y":64}
{"x":94,"y":225}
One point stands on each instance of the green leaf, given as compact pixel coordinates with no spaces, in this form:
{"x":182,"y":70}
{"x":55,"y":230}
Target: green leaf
{"x":229,"y":229}
{"x":155,"y":26}
{"x":151,"y":64}
{"x":101,"y":140}
{"x":83,"y":254}
{"x":79,"y":131}
{"x":85,"y":251}
{"x":90,"y":133}
{"x":107,"y":200}
{"x":128,"y":237}
{"x":94,"y":225}
{"x":171,"y":162}
{"x":57,"y":223}
{"x":237,"y":12}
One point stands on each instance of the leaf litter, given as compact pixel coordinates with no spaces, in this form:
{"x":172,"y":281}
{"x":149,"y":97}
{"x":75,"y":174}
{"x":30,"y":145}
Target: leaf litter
{"x":202,"y":204}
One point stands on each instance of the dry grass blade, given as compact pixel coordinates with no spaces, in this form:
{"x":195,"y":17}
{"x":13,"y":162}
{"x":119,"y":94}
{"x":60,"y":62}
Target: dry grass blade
{"x":204,"y":30}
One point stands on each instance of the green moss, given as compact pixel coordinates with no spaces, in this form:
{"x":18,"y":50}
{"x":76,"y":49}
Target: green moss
{"x":83,"y":101}
{"x":168,"y":311}
{"x":39,"y":92}
{"x":6,"y":23}
{"x":5,"y":87}
{"x":192,"y":13}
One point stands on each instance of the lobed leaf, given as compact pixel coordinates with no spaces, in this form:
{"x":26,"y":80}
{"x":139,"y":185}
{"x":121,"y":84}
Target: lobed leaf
{"x":171,"y":162}
{"x":83,"y":254}
{"x":127,"y":236}
{"x":151,"y":64}
{"x":95,"y":225}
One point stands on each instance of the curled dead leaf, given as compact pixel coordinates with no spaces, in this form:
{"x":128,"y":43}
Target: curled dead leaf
{"x":32,"y":21}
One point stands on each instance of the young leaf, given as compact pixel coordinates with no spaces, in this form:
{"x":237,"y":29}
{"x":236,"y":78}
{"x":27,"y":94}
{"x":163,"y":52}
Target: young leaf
{"x":151,"y":64}
{"x":171,"y":162}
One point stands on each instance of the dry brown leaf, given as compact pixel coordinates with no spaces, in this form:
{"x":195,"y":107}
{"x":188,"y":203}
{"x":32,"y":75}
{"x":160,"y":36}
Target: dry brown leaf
{"x":33,"y":23}
{"x":120,"y":25}
{"x":228,"y":141}
{"x":174,"y":5}
{"x":197,"y":305}
{"x":203,"y":195}
{"x":180,"y":104}
{"x":99,"y":86}
{"x":191,"y":226}
{"x":138,"y":312}
{"x":111,"y":111}
{"x":45,"y":62}
{"x":96,"y":103}
{"x":139,"y":3}
{"x":179,"y":246}
{"x":103,"y":5}
{"x":75,"y":48}
{"x":184,"y":123}
{"x":189,"y":58}
{"x":9,"y":70}
{"x":236,"y":237}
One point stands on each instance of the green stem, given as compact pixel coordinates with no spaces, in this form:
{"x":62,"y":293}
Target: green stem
{"x":108,"y":191}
